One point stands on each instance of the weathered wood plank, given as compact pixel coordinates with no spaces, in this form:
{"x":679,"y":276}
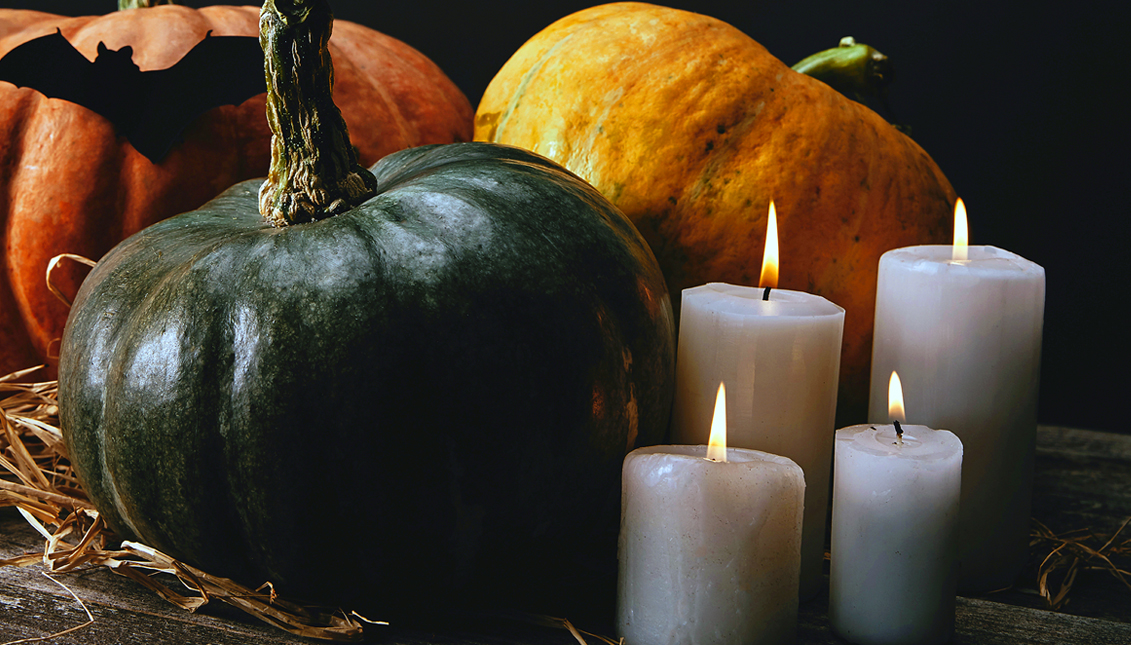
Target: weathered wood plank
{"x":1083,"y":481}
{"x":992,"y":623}
{"x":124,"y":616}
{"x":29,"y":612}
{"x":984,"y":622}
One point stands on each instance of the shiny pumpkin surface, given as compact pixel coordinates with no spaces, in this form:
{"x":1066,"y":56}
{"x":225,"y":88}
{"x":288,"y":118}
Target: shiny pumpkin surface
{"x":445,"y":378}
{"x":70,"y":184}
{"x":691,"y":128}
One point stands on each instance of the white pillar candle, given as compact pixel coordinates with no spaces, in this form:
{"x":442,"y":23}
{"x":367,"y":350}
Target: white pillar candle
{"x":780,"y":360}
{"x":965,"y":337}
{"x":894,"y":535}
{"x":709,"y":550}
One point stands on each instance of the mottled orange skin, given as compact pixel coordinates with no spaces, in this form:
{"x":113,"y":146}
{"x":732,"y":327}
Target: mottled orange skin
{"x":691,"y":128}
{"x":70,"y":184}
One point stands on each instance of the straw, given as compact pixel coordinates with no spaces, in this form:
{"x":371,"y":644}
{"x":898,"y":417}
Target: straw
{"x":37,"y":479}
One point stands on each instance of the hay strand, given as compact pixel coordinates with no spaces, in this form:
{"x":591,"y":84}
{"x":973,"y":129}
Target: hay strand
{"x":562,"y":623}
{"x":1070,"y":553}
{"x":36,"y":478}
{"x":69,"y":630}
{"x":53,"y":263}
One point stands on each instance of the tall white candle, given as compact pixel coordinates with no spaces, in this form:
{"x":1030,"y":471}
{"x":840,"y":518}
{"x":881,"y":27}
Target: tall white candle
{"x":780,"y":359}
{"x":894,"y":535}
{"x":709,"y":550}
{"x":965,"y":337}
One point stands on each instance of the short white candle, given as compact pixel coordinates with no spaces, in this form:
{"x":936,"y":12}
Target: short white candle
{"x":780,"y":360}
{"x":965,"y":337}
{"x":709,"y":550}
{"x":893,"y":568}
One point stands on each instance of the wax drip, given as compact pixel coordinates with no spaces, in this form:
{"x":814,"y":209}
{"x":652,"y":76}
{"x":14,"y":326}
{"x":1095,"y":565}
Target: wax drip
{"x":766,"y":294}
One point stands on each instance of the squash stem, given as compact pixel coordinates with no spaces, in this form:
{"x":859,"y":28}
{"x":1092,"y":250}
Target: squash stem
{"x":857,"y":71}
{"x":853,"y":69}
{"x":314,"y":171}
{"x":140,"y":4}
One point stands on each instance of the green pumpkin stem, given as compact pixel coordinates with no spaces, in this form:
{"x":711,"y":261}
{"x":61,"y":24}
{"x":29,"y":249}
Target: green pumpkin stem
{"x":851,"y":68}
{"x":858,"y":72}
{"x":140,"y":4}
{"x":314,"y":171}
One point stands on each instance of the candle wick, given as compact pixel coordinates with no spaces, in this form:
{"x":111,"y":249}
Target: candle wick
{"x":898,"y":432}
{"x":766,"y":294}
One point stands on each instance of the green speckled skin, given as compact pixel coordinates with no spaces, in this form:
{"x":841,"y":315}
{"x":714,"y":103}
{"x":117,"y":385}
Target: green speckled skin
{"x":426,"y":397}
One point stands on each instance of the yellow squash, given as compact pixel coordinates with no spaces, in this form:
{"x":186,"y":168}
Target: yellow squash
{"x":691,"y":127}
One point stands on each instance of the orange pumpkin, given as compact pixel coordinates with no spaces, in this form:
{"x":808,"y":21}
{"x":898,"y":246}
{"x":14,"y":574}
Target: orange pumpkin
{"x":691,"y":128}
{"x":69,"y":183}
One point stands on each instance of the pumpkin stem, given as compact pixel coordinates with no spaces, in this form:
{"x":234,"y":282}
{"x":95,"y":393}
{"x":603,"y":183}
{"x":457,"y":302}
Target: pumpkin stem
{"x":857,"y":71}
{"x":140,"y":4}
{"x":314,"y":171}
{"x":851,"y":68}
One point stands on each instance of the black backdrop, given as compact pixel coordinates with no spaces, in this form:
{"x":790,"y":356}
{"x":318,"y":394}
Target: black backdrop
{"x":1021,"y":104}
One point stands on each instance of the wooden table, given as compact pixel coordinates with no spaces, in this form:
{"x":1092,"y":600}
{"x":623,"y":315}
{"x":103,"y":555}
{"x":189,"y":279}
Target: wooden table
{"x":1083,"y":480}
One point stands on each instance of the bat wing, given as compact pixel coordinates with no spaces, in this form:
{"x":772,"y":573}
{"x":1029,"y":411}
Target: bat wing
{"x":220,"y":70}
{"x":50,"y":65}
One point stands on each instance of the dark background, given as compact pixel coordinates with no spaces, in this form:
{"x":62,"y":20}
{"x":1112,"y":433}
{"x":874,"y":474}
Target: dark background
{"x":1023,"y":105}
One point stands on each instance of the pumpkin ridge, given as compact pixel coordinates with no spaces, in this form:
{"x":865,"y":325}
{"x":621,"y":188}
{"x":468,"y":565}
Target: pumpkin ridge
{"x":98,"y":477}
{"x":520,"y":90}
{"x":52,"y":205}
{"x":124,"y":494}
{"x":12,"y":316}
{"x":17,"y":135}
{"x":641,"y":86}
{"x":161,"y":524}
{"x":629,"y":68}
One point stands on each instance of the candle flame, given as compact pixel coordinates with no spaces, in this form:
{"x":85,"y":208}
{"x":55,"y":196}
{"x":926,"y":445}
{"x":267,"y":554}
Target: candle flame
{"x":769,"y":277}
{"x":717,"y":444}
{"x":895,"y":399}
{"x":961,"y":231}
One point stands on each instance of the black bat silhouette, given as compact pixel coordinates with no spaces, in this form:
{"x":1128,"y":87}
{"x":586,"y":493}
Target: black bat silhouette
{"x":151,"y":109}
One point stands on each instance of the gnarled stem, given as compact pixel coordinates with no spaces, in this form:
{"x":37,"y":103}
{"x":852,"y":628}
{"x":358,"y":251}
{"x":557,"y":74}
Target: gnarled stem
{"x":314,"y":171}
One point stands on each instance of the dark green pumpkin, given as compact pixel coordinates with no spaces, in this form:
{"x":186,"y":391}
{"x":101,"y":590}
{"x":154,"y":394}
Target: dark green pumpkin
{"x":425,"y":397}
{"x":430,"y":392}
